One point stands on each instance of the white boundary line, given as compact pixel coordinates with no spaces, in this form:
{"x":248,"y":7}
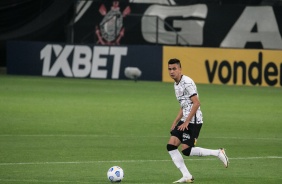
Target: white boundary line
{"x":139,"y":136}
{"x":44,"y":181}
{"x":132,"y":161}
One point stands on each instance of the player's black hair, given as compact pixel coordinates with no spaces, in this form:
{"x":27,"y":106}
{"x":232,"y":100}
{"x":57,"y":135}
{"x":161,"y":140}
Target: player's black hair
{"x":174,"y":61}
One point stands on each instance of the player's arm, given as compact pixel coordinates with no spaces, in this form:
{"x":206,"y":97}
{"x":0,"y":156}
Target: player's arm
{"x":195,"y":106}
{"x":177,"y":119}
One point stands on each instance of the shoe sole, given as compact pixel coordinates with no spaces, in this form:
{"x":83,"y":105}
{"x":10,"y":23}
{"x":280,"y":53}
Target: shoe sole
{"x":227,"y":161}
{"x":187,"y":181}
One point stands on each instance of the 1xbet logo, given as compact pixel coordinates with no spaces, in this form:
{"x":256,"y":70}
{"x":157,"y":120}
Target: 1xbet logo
{"x":81,"y":61}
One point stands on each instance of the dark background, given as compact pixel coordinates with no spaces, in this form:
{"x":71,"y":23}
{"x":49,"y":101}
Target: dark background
{"x":53,"y":21}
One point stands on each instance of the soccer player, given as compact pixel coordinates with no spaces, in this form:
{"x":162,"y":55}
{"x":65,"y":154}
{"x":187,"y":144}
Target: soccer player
{"x":186,"y":127}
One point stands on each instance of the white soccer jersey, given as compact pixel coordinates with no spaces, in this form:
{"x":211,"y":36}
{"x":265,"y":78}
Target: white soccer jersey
{"x":185,"y":89}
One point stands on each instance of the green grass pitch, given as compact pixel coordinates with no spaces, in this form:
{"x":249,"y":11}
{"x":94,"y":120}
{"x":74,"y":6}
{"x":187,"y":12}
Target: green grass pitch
{"x":60,"y":130}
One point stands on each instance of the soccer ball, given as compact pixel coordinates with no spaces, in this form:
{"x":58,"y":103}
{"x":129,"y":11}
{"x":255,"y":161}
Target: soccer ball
{"x":115,"y":174}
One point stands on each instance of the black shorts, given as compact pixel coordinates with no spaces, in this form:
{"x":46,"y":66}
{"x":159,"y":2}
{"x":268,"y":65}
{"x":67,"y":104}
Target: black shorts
{"x":187,"y":136}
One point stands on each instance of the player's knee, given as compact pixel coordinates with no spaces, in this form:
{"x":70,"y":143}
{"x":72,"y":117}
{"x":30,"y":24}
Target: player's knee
{"x":187,"y":151}
{"x":170,"y":147}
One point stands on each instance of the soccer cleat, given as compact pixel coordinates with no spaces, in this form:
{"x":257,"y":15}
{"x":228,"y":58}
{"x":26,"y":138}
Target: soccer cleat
{"x":185,"y":180}
{"x":222,"y":156}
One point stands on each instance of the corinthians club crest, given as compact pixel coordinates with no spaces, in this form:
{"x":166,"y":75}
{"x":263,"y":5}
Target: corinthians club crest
{"x":110,"y":29}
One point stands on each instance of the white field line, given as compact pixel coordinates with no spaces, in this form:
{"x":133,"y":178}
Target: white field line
{"x":58,"y":181}
{"x":39,"y":181}
{"x":132,"y":161}
{"x":132,"y":136}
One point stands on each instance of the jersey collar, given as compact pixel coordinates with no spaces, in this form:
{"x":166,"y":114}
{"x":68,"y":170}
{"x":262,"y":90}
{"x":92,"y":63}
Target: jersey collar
{"x":179,"y":80}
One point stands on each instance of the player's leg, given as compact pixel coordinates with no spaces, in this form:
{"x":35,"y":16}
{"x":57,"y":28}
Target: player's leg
{"x":198,"y":151}
{"x":172,"y":148}
{"x":188,"y":148}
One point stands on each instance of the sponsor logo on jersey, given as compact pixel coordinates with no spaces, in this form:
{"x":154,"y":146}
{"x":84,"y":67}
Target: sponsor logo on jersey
{"x":185,"y":136}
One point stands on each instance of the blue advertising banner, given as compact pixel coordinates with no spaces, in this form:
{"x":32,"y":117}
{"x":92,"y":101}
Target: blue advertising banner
{"x":83,"y":61}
